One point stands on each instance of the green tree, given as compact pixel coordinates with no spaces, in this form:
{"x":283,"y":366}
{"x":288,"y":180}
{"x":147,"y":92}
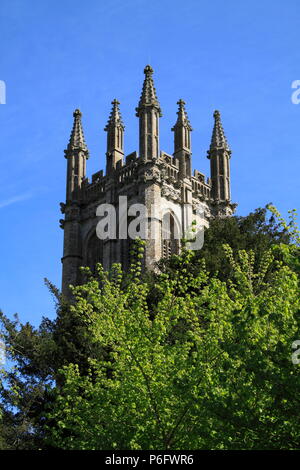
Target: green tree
{"x":180,"y":316}
{"x":257,"y":231}
{"x":35,"y":356}
{"x":207,"y":367}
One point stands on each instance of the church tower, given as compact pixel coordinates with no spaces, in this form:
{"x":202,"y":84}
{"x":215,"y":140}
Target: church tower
{"x":150,"y":189}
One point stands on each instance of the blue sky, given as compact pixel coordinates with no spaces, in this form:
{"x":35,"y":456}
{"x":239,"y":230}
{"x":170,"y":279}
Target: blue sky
{"x":238,"y":57}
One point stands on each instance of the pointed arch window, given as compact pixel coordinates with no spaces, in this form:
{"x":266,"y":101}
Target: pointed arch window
{"x":170,"y":236}
{"x":94,"y":252}
{"x":222,"y":190}
{"x":221,"y":164}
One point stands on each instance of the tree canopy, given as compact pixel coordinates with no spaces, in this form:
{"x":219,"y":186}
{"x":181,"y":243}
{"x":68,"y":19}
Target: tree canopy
{"x":195,"y":357}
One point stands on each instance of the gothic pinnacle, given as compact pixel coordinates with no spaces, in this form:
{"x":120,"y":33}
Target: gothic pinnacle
{"x":148,"y":95}
{"x":218,"y":140}
{"x":115,"y":118}
{"x":182,"y":119}
{"x":77,"y":141}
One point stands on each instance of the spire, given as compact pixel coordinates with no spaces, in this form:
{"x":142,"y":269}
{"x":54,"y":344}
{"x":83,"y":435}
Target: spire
{"x":219,"y":154}
{"x":182,"y":119}
{"x":218,"y":140}
{"x":77,"y":141}
{"x":115,"y":138}
{"x":182,"y":141}
{"x":148,"y":112}
{"x":115,"y":118}
{"x":148,"y":96}
{"x":76,"y":153}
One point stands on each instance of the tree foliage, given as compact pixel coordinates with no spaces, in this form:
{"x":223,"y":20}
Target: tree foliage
{"x":209,"y":369}
{"x":257,"y":231}
{"x":196,"y":357}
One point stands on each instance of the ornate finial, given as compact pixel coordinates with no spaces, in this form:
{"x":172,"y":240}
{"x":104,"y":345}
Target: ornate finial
{"x":77,"y":141}
{"x":77,"y":112}
{"x":182,"y":119}
{"x":217,"y":114}
{"x":148,"y":70}
{"x":115,"y":118}
{"x":148,"y":96}
{"x":218,"y":140}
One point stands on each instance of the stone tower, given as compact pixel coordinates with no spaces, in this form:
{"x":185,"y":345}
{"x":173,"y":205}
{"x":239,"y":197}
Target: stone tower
{"x":151,"y":181}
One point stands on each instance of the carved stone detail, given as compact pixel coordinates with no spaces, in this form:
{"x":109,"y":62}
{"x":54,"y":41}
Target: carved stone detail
{"x":152,"y":174}
{"x":170,"y":192}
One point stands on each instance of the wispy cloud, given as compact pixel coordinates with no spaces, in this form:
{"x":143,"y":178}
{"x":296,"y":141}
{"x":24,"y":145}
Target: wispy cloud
{"x":13,"y":200}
